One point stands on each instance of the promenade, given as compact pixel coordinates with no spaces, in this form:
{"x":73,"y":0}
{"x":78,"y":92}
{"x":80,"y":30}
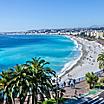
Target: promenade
{"x":81,"y":88}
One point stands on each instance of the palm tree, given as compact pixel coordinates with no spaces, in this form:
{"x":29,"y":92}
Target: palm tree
{"x":26,"y":79}
{"x":100,"y":59}
{"x":6,"y":76}
{"x":91,"y":79}
{"x":40,"y":78}
{"x":20,"y":83}
{"x":17,"y":85}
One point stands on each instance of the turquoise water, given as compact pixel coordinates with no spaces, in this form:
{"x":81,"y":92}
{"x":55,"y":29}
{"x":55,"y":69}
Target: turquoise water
{"x":55,"y":49}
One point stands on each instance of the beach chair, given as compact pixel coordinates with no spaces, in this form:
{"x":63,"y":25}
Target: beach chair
{"x":97,"y":101}
{"x":90,"y":101}
{"x":102,"y":102}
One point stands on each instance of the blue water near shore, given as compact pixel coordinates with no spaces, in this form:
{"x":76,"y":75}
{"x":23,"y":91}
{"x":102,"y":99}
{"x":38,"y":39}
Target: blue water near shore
{"x":58,"y":50}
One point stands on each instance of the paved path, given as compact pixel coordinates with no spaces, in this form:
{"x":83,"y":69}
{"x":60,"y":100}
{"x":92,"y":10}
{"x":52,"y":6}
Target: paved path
{"x":80,"y":88}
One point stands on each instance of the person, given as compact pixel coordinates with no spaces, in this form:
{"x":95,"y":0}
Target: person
{"x":74,"y":81}
{"x":71,"y":83}
{"x":79,"y":79}
{"x":75,"y":92}
{"x":61,"y":94}
{"x":59,"y":79}
{"x":61,"y":85}
{"x":64,"y":83}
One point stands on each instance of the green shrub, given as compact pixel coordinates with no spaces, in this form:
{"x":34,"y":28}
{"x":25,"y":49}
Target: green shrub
{"x":100,"y":85}
{"x":91,"y":79}
{"x":102,"y":80}
{"x":50,"y":101}
{"x":53,"y":101}
{"x":97,"y":85}
{"x":61,"y":100}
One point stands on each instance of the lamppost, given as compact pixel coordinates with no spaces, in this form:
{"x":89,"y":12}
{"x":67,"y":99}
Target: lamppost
{"x":57,"y":87}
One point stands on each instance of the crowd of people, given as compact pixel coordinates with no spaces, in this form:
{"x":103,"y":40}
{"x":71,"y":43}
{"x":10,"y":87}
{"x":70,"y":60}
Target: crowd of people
{"x":70,"y":83}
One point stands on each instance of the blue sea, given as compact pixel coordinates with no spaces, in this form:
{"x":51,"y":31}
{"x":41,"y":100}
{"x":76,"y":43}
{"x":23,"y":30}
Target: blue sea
{"x":17,"y":49}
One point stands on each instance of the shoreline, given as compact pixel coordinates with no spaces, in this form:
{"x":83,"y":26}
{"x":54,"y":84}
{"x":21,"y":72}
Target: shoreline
{"x":78,"y":60}
{"x":86,"y":62}
{"x":74,"y":63}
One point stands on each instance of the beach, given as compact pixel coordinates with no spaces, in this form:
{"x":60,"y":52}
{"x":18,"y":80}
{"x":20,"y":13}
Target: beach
{"x":87,"y":61}
{"x":76,"y":67}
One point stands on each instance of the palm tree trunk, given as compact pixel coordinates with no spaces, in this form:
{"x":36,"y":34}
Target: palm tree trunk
{"x":103,"y":70}
{"x":4,"y":102}
{"x":3,"y":98}
{"x":28,"y":101}
{"x":33,"y":96}
{"x":90,"y":86}
{"x":21,"y":99}
{"x":12,"y":99}
{"x":42,"y":97}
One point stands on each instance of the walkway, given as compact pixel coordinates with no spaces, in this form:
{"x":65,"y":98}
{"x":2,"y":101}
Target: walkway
{"x":81,"y":88}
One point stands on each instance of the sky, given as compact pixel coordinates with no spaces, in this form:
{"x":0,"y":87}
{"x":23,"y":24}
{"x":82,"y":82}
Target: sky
{"x":22,"y":15}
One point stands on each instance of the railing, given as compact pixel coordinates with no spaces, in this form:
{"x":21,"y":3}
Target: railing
{"x":78,"y":80}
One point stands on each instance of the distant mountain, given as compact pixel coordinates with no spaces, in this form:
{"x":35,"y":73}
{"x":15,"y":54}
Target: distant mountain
{"x":96,"y":26}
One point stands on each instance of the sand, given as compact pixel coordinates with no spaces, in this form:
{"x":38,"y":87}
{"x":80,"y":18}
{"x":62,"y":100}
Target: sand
{"x":87,"y":61}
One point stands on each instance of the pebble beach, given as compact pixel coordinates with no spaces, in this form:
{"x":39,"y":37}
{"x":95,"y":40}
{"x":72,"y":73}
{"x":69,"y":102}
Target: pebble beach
{"x":87,"y":61}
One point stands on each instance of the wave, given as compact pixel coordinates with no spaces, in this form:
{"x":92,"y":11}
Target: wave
{"x":74,"y":61}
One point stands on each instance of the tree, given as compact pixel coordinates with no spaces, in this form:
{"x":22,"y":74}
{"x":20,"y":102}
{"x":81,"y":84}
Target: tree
{"x":100,"y":59}
{"x":6,"y":76}
{"x":40,"y":78}
{"x":20,"y":83}
{"x":91,"y":79}
{"x":27,"y":80}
